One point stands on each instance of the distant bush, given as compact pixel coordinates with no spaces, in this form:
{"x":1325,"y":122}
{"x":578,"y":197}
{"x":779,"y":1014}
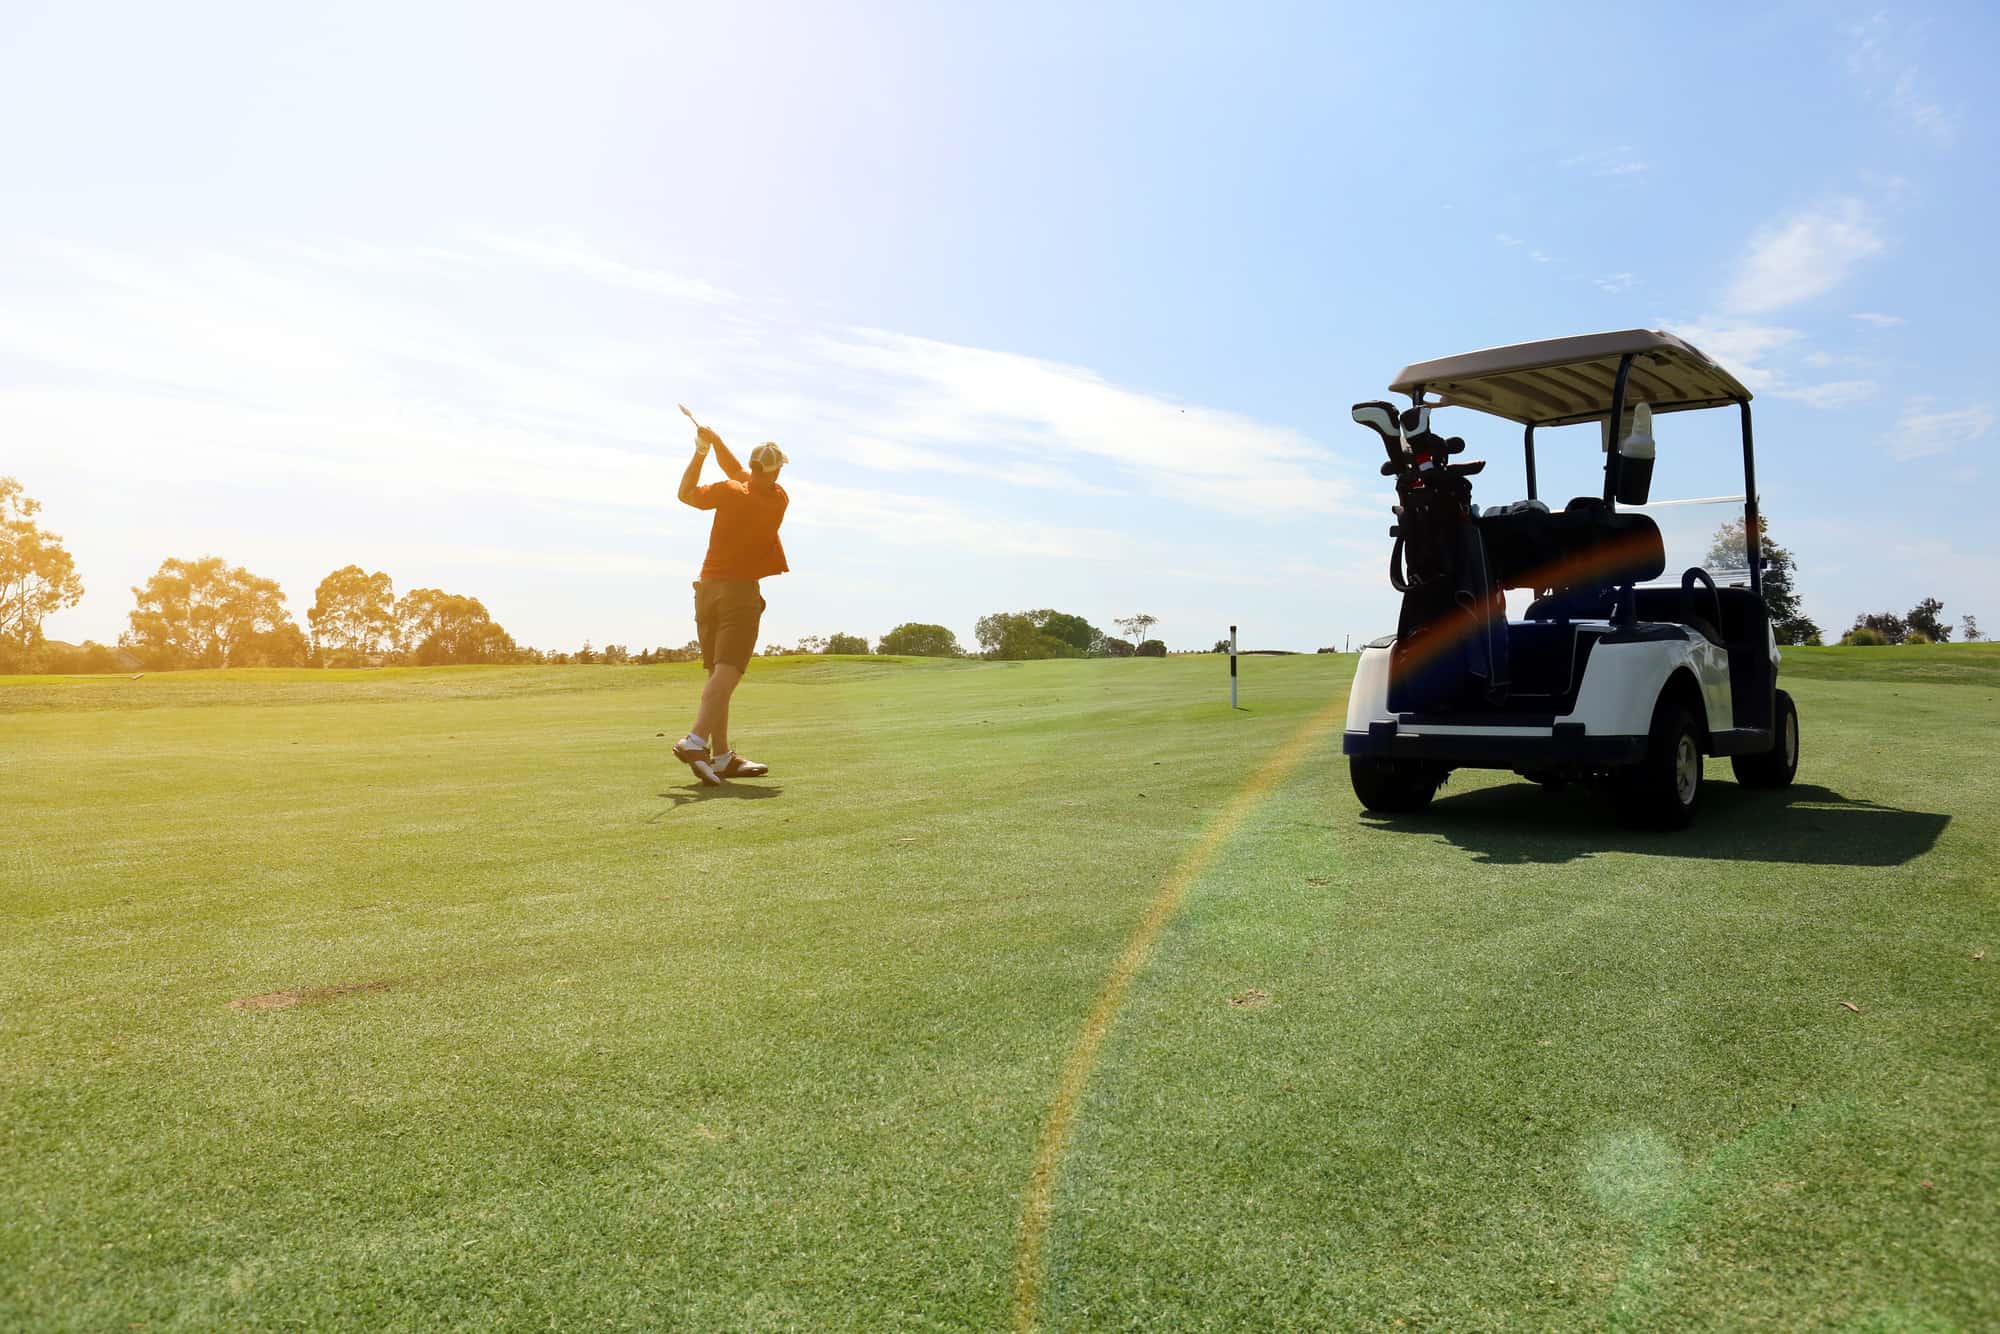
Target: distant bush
{"x":1917,"y":637}
{"x":914,"y":639}
{"x":1109,"y":647}
{"x":1887,"y":624}
{"x":1152,"y":648}
{"x":840,"y":643}
{"x":89,"y":658}
{"x":1863,"y":636}
{"x":1047,"y":633}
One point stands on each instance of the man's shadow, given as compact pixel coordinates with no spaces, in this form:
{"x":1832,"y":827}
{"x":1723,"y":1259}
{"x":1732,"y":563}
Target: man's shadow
{"x":699,"y":791}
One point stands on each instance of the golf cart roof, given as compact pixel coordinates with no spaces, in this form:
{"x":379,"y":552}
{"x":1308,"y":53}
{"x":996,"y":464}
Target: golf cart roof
{"x":1562,"y":380}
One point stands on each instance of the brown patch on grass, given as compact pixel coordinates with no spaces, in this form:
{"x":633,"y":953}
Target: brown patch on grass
{"x":1250,"y":999}
{"x":270,"y":1000}
{"x":1317,"y":879}
{"x":285,"y":1000}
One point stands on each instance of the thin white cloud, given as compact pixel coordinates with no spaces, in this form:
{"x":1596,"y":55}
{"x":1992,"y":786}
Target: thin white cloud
{"x":936,"y":396}
{"x":328,"y":366}
{"x":1923,"y":431}
{"x":1538,"y":256}
{"x":1878,"y":320}
{"x":1619,"y":161}
{"x":1741,"y":347}
{"x":1615,"y":283}
{"x":1507,"y":240}
{"x":577,"y":258}
{"x":1881,"y":58}
{"x":1802,"y":257}
{"x":1747,"y":351}
{"x":1832,"y":394}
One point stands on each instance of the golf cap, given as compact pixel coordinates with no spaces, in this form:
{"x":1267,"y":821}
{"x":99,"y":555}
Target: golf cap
{"x":767,"y":457}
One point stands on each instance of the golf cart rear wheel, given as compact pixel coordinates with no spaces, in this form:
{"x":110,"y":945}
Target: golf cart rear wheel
{"x":1393,"y":787}
{"x":1779,"y":765}
{"x":1662,"y":790}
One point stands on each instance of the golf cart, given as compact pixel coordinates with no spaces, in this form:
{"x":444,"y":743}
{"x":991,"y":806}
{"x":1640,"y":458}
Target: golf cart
{"x":1609,"y":675}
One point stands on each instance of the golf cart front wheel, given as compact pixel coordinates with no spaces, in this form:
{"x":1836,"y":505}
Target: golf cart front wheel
{"x":1779,"y":765}
{"x":1662,"y":790}
{"x":1393,"y":787}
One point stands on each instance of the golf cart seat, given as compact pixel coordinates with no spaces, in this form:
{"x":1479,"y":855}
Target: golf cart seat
{"x":1588,"y":545}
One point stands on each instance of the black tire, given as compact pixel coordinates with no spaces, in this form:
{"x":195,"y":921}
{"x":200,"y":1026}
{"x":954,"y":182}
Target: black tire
{"x":1779,"y":765}
{"x":1393,"y":787}
{"x":1663,"y":790}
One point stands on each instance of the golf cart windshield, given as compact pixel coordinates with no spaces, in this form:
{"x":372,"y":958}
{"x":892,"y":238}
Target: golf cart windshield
{"x":1705,"y":532}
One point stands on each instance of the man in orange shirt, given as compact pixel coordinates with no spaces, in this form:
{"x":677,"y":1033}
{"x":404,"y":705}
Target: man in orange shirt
{"x":743,"y":548}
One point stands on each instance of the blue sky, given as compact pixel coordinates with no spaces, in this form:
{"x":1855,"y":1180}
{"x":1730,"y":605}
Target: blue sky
{"x":1051,"y":305}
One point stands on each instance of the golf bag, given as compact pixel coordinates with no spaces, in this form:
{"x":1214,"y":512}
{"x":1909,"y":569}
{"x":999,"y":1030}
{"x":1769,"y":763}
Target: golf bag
{"x":1451,"y":637}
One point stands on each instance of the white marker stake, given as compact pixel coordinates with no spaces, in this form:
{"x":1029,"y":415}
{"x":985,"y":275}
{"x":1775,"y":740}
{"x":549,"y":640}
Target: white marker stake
{"x":1232,"y":666}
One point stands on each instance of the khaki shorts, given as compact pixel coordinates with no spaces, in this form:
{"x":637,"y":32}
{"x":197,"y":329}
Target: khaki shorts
{"x":727,"y":613}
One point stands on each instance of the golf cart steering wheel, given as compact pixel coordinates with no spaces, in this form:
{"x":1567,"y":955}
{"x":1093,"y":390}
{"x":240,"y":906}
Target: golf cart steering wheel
{"x":1714,"y":628}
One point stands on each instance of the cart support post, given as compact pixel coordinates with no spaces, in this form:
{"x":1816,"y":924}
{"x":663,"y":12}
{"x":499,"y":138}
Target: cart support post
{"x":1611,"y":455}
{"x":1753,"y":523}
{"x":1528,"y":444}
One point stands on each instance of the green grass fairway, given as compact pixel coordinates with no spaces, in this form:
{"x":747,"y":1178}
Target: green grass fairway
{"x":412,"y":999}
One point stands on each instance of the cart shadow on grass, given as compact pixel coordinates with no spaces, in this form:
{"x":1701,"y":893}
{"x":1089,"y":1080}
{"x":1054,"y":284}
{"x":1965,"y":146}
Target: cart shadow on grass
{"x":1519,"y":823}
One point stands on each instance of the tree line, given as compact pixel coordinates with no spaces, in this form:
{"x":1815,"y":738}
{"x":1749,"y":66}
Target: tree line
{"x":1922,"y":624}
{"x":1003,"y":636}
{"x":204,"y":612}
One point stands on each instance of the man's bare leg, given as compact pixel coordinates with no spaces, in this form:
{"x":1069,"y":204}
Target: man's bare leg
{"x":712,"y":721}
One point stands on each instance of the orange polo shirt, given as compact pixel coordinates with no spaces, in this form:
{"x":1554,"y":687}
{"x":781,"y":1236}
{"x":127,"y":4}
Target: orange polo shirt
{"x":743,"y":540}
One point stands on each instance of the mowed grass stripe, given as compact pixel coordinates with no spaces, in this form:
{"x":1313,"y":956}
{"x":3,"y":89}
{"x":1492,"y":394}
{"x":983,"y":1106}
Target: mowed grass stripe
{"x":1517,"y":1067}
{"x":652,"y":1059}
{"x":647,"y":1057}
{"x":1038,"y":1208}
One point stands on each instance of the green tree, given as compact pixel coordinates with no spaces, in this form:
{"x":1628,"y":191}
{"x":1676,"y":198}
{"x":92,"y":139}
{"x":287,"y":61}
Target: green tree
{"x":1135,"y":627}
{"x":1152,"y":648}
{"x":435,"y":627}
{"x":1107,"y":647}
{"x":1887,"y":624}
{"x":208,"y":613}
{"x":353,"y":613}
{"x":841,"y":643}
{"x":1014,"y":636}
{"x":1923,"y":620}
{"x":1727,"y":551}
{"x":1074,"y":631}
{"x":89,"y":658}
{"x":1968,"y":628}
{"x":914,"y":639}
{"x":617,"y":654}
{"x":37,"y":576}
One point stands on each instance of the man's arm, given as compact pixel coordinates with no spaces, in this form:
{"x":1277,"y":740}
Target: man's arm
{"x":691,"y":479}
{"x":731,"y":469}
